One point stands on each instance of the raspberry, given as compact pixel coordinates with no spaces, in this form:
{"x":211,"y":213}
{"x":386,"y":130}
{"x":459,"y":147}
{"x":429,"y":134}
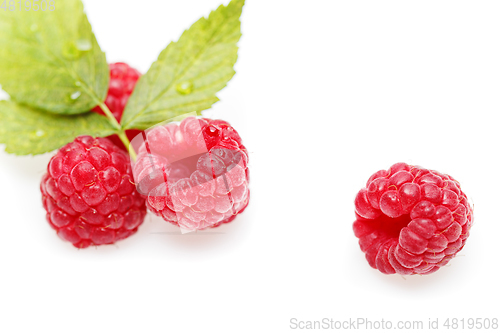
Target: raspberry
{"x":411,"y":220}
{"x":89,"y":195}
{"x":194,"y":174}
{"x":122,"y":81}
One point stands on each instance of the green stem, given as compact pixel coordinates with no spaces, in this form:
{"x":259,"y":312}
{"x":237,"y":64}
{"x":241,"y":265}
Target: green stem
{"x":121,"y":131}
{"x":110,"y":116}
{"x":127,"y":144}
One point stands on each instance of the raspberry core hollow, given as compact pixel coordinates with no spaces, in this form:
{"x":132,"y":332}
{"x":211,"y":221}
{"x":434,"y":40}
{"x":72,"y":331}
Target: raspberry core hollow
{"x":410,"y":220}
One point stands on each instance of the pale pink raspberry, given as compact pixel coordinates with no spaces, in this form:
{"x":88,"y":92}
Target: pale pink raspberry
{"x":195,"y":174}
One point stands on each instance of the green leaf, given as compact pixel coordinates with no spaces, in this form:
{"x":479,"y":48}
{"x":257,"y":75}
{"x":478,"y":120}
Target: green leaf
{"x":189,"y":72}
{"x":50,"y":60}
{"x":29,"y":131}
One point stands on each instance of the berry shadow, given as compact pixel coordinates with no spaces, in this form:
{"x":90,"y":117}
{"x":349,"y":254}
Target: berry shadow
{"x":199,"y":243}
{"x":437,"y":280}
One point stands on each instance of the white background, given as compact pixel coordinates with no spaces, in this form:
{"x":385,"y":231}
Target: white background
{"x":326,"y":93}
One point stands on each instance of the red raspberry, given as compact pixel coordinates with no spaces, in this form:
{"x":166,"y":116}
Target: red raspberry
{"x":195,"y":174}
{"x":89,"y":194}
{"x":411,"y":220}
{"x":122,"y":81}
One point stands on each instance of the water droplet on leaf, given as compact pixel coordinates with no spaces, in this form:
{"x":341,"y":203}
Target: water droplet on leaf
{"x":78,"y":83}
{"x":75,"y":95}
{"x":37,"y":134}
{"x":184,"y":88}
{"x":71,"y":98}
{"x":83,"y":45}
{"x":34,"y":27}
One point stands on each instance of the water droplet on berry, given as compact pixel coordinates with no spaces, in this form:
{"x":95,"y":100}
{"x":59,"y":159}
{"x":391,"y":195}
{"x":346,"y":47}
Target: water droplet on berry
{"x":83,"y":45}
{"x":34,"y":27}
{"x":70,"y":51}
{"x":184,"y":88}
{"x":212,"y":131}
